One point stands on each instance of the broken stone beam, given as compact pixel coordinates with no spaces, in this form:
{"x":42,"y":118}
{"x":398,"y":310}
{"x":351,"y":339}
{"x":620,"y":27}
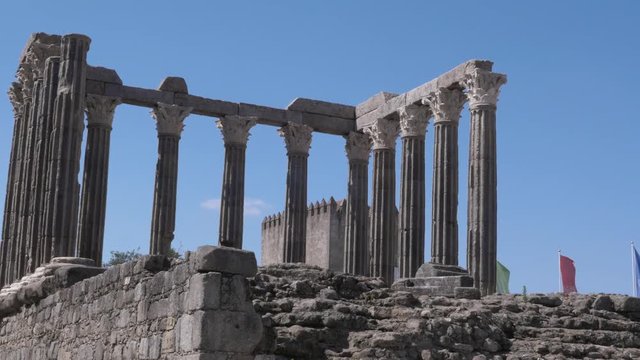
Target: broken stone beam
{"x":322,"y":108}
{"x":217,"y":108}
{"x":446,"y":80}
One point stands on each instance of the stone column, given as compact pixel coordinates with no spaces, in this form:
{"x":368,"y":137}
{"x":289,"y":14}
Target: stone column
{"x":169,"y":119}
{"x":297,"y":138}
{"x":383,"y":234}
{"x":66,"y":139}
{"x":235,"y":133}
{"x":93,"y":203}
{"x":356,"y":254}
{"x":6,"y":247}
{"x":42,"y":171}
{"x":483,"y":88}
{"x":413,"y":127}
{"x":446,"y":105}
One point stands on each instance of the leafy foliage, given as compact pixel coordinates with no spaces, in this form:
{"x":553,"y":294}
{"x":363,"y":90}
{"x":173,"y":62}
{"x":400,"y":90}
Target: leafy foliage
{"x":120,"y":257}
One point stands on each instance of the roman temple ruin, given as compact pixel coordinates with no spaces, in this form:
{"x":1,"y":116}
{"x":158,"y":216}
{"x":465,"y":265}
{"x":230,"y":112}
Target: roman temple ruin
{"x":48,"y":214}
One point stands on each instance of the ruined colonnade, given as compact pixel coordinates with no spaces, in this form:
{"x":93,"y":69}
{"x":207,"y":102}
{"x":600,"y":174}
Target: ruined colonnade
{"x":48,"y":214}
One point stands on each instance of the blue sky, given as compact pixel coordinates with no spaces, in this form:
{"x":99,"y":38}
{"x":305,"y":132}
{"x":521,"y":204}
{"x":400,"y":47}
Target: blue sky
{"x":568,"y":126}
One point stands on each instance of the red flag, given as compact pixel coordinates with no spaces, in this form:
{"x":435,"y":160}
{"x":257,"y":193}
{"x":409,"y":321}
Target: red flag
{"x":568,"y":273}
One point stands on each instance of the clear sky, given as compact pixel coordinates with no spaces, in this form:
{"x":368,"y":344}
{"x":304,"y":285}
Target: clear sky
{"x":568,"y":129}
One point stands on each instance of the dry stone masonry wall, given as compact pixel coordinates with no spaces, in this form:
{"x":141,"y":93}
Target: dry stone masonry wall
{"x":195,"y":308}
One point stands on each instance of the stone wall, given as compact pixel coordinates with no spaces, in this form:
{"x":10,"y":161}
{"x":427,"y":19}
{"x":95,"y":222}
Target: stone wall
{"x":324,"y":241}
{"x":196,"y":308}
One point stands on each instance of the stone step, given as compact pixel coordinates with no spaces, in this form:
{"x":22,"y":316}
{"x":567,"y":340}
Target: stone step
{"x":596,"y":337}
{"x":536,"y":348}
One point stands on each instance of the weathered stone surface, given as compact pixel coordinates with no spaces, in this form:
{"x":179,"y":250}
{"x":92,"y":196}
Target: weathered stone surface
{"x":174,"y":84}
{"x":323,"y":108}
{"x":362,"y":319}
{"x":223,"y":259}
{"x":103,"y":74}
{"x":73,"y":260}
{"x":431,"y":269}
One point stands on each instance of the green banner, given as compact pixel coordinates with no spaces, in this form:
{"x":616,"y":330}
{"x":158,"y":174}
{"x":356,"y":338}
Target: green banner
{"x":502,"y":279}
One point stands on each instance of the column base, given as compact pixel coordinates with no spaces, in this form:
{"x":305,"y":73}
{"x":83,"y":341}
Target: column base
{"x":439,"y":280}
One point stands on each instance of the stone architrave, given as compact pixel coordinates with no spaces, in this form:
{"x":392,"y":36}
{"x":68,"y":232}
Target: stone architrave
{"x":6,"y":246}
{"x":356,"y":252}
{"x":61,"y":219}
{"x":93,"y":203}
{"x":235,"y":133}
{"x":297,"y":138}
{"x":483,"y":88}
{"x":170,"y":123}
{"x":413,"y":127}
{"x":446,"y":105}
{"x":383,"y":234}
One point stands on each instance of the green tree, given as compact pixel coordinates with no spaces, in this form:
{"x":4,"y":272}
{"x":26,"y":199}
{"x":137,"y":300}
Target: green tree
{"x":120,"y":257}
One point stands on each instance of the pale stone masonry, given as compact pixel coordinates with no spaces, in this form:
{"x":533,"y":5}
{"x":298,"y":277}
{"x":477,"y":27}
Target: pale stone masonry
{"x":46,"y":215}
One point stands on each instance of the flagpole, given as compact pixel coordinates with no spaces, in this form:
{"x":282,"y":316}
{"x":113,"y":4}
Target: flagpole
{"x":634,"y":291}
{"x":559,"y":273}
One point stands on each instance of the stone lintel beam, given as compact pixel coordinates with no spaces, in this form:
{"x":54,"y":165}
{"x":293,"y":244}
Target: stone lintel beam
{"x":322,"y":108}
{"x":264,"y":115}
{"x":449,"y":79}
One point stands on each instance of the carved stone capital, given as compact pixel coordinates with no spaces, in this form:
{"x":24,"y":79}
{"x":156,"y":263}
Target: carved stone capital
{"x":235,"y":129}
{"x":170,"y":118}
{"x":38,"y":54}
{"x":297,"y":138}
{"x":25,"y":78}
{"x":414,"y":120}
{"x":383,"y":133}
{"x":15,"y":96}
{"x":483,"y":87}
{"x":358,"y":146}
{"x":100,"y":109}
{"x":446,"y":104}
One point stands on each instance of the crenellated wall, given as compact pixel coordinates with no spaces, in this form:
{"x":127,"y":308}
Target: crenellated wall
{"x":196,"y":308}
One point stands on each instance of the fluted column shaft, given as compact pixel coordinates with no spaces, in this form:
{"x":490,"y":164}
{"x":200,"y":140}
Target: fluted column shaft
{"x":483,"y":89}
{"x":15,"y":95}
{"x":93,"y":203}
{"x":43,"y":168}
{"x":164,"y":197}
{"x":383,"y":233}
{"x":163,"y":222}
{"x":26,"y":246}
{"x":446,"y":105}
{"x":356,"y":252}
{"x":413,"y":124}
{"x":444,"y":230}
{"x":235,"y":131}
{"x":297,"y":139}
{"x":64,"y":190}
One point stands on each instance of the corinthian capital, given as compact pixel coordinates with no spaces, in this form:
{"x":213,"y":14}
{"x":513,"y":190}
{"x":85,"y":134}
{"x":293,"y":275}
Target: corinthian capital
{"x":383,"y":133}
{"x":446,"y":104}
{"x":297,"y":138}
{"x":483,"y":87}
{"x":15,"y":96}
{"x":235,"y":129}
{"x":414,"y":120}
{"x":358,"y":146}
{"x":25,"y":78}
{"x":38,"y":54}
{"x":170,"y":118}
{"x":100,"y":109}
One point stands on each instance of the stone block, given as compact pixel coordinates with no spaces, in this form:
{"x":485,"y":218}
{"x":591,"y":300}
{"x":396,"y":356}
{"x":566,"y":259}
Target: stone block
{"x":544,"y":300}
{"x":103,"y":74}
{"x":73,"y":260}
{"x":466,"y":293}
{"x":626,"y":304}
{"x":373,"y":102}
{"x":68,"y":275}
{"x":603,"y":302}
{"x":228,"y":331}
{"x":204,"y":291}
{"x":225,"y":260}
{"x":430,"y":269}
{"x":174,"y":84}
{"x":323,"y":108}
